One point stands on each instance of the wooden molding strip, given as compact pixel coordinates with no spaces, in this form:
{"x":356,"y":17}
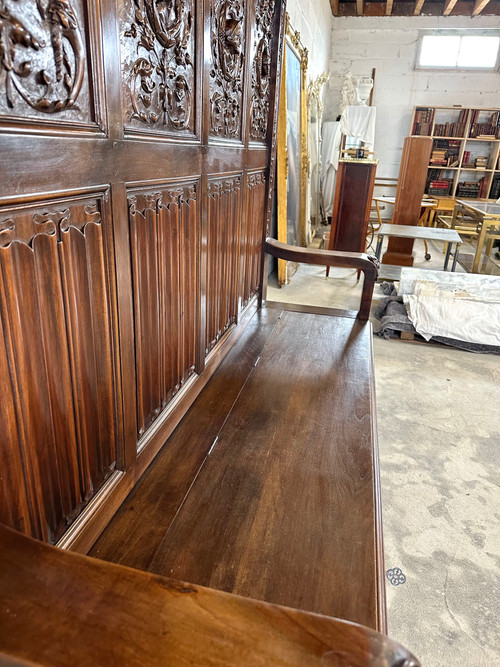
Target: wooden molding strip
{"x":360,"y":7}
{"x":388,"y":7}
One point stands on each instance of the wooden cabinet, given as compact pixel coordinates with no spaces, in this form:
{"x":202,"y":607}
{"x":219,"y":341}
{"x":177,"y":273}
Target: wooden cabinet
{"x":351,"y":206}
{"x":464,"y":161}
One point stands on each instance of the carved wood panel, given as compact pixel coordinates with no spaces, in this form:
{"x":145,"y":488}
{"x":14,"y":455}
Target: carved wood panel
{"x":109,"y":307}
{"x":261,"y":68}
{"x":158,"y":56}
{"x":227,"y":31}
{"x":45,"y":62}
{"x":57,"y":310}
{"x":165,"y":244}
{"x":223,"y":254}
{"x":251,"y":241}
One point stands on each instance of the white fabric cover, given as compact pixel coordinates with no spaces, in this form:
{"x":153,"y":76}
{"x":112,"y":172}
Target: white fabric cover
{"x":329,"y":149}
{"x":454,"y":305}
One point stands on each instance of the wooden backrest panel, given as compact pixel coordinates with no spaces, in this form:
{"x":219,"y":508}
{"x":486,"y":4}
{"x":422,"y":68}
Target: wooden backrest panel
{"x":135,"y":158}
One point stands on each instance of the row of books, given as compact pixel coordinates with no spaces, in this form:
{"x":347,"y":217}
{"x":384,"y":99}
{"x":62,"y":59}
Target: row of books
{"x":472,"y":189}
{"x":495,"y":187}
{"x":484,"y":131}
{"x":445,"y":153}
{"x":424,"y":118}
{"x":440,"y":188}
{"x":449,"y":129}
{"x":422,"y":121}
{"x":487,"y":130}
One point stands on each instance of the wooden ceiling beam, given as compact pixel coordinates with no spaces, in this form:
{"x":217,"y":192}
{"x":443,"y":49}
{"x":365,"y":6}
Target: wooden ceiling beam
{"x":418,"y":7}
{"x":479,"y":5}
{"x":335,"y":5}
{"x":360,"y":7}
{"x":448,"y":6}
{"x":388,"y":7}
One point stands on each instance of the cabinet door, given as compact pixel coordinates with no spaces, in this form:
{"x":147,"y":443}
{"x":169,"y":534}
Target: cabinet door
{"x":135,"y":150}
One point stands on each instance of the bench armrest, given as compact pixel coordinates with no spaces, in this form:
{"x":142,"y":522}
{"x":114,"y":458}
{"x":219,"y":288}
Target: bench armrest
{"x":349,"y":260}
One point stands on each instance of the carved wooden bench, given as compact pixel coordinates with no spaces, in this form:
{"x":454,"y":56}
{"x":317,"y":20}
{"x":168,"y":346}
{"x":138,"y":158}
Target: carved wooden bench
{"x":269,"y":487}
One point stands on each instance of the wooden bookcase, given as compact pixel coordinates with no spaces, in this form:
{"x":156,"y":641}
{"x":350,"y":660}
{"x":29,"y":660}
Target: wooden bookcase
{"x":465,"y":153}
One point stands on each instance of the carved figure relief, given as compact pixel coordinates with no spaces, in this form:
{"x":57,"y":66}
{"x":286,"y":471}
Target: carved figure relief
{"x":226,"y":75}
{"x":161,"y":79}
{"x":42,"y":56}
{"x":261,"y":69}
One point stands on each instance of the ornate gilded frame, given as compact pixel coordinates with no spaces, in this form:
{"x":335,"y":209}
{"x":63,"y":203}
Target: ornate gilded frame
{"x":315,"y":104}
{"x":292,"y":38}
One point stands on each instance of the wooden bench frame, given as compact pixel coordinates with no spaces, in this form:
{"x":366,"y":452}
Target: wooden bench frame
{"x":26,"y":618}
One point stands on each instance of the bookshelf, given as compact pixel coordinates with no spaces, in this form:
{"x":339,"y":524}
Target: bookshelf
{"x":464,"y":159}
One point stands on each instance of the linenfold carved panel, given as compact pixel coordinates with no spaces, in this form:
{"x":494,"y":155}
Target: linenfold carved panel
{"x":251,"y":240}
{"x":43,"y":61}
{"x":164,"y":231}
{"x":261,"y":68}
{"x":57,"y":311}
{"x":227,"y":27}
{"x":158,"y":55}
{"x":223,"y":256}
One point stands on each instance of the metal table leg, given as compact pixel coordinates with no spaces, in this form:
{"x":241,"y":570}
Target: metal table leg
{"x":455,"y":256}
{"x":380,"y":239}
{"x":447,"y":256}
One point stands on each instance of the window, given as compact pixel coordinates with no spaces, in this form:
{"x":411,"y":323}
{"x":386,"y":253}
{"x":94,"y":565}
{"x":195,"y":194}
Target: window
{"x":459,"y":51}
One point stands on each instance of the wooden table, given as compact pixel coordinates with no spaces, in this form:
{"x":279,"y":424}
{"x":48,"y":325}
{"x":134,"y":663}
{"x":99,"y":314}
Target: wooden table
{"x":449,"y":236}
{"x":489,"y":216}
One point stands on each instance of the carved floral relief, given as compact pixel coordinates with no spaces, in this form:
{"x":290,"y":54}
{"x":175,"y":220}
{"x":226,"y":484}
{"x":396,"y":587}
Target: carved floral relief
{"x":42,"y":57}
{"x":160,"y":45}
{"x":261,"y":68}
{"x":226,"y":76}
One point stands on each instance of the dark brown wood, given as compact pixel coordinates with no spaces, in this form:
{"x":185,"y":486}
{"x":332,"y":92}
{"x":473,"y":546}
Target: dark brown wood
{"x":135,"y":162}
{"x":65,"y":610}
{"x":285,"y":507}
{"x":409,"y":193}
{"x":130,"y":539}
{"x":366,"y":263}
{"x":351,"y":206}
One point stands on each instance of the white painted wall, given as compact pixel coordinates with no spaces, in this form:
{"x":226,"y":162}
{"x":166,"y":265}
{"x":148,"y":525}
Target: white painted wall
{"x":390,"y":45}
{"x":313,"y":19}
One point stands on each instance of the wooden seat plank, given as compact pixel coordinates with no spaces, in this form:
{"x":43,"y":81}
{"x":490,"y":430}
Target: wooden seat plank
{"x":62,"y":609}
{"x":285,"y":508}
{"x":138,"y":527}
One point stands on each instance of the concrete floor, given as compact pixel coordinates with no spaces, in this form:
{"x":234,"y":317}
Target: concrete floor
{"x":439,"y":439}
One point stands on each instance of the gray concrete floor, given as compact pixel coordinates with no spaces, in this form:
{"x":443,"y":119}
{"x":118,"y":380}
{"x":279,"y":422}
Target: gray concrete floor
{"x":439,"y":439}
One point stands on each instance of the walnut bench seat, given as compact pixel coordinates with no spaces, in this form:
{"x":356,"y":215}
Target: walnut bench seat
{"x":269,"y":487}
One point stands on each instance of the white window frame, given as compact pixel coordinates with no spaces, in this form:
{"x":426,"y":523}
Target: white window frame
{"x":456,"y":33}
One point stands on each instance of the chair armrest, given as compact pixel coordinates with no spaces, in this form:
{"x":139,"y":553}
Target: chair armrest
{"x":349,"y":260}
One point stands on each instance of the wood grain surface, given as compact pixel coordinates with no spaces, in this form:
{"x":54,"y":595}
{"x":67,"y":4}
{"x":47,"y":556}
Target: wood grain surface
{"x":285,"y":507}
{"x":61,"y":609}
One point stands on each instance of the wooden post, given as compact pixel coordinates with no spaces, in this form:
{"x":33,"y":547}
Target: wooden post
{"x":411,"y":187}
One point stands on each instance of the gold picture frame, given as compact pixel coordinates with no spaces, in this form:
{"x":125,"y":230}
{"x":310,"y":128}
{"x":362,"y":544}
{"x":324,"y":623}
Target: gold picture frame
{"x":292,"y":163}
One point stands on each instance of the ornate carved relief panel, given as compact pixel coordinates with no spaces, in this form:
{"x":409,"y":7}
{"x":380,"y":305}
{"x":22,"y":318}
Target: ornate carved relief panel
{"x":57,"y":306}
{"x":165,"y":228}
{"x":45,"y":62}
{"x":158,"y":57}
{"x":223,"y":253}
{"x":251,"y":239}
{"x":261,"y":68}
{"x":227,"y":35}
